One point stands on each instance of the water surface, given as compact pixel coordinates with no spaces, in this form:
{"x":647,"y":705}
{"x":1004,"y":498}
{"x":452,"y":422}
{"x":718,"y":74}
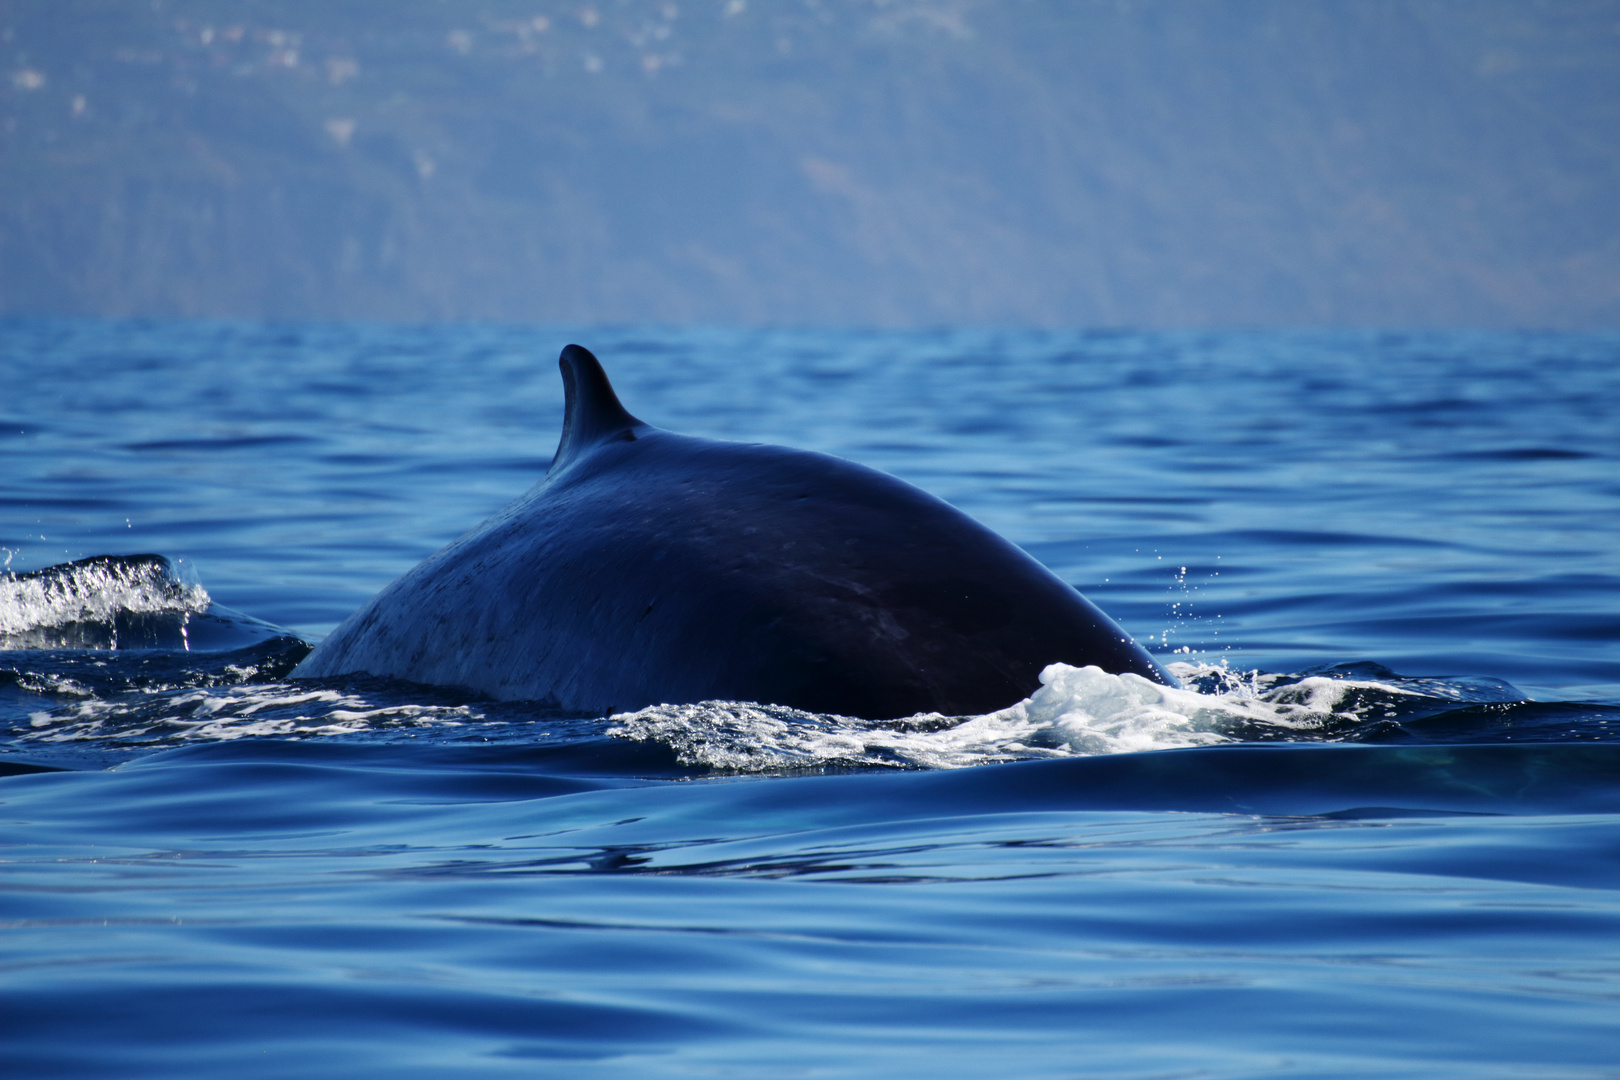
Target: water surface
{"x":1375,"y":833}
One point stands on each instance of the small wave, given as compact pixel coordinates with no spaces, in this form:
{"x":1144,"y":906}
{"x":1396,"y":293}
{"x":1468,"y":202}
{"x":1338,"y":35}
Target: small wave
{"x":143,"y":701}
{"x":273,"y":710}
{"x":104,"y":602}
{"x":1076,"y":712}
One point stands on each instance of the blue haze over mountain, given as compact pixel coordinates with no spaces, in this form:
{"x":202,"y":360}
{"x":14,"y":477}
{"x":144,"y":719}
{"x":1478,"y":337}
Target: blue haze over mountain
{"x":1160,"y":163}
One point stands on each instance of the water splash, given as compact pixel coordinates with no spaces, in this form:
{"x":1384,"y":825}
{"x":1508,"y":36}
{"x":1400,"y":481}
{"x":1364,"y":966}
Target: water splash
{"x":151,"y":700}
{"x":1076,"y":712}
{"x":104,"y":602}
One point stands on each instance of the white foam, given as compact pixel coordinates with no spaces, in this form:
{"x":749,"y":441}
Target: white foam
{"x":1076,"y":711}
{"x":96,"y":592}
{"x":238,"y":712}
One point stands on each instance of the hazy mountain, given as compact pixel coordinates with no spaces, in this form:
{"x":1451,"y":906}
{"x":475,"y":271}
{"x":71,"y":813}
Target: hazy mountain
{"x":1164,"y":162}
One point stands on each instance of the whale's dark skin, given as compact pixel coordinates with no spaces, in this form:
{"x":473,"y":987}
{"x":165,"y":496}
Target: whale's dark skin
{"x":649,"y":567}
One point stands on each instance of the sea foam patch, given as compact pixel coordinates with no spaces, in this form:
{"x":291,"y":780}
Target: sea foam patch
{"x":284,"y":710}
{"x":1076,"y":711}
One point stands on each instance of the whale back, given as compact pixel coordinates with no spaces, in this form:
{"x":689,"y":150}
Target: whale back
{"x":650,"y":567}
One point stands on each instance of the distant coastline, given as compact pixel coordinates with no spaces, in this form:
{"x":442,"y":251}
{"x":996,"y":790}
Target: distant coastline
{"x":1264,"y":163}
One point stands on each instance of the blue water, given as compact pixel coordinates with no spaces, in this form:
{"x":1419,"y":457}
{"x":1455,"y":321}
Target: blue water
{"x":1378,"y":834}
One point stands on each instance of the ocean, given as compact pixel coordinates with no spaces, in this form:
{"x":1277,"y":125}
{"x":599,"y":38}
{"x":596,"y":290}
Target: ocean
{"x":1377,"y":831}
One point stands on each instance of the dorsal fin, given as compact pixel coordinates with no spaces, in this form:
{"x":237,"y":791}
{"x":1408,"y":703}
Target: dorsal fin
{"x":591,"y":410}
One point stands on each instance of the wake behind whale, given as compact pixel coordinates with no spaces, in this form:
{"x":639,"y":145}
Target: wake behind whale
{"x":654,"y":568}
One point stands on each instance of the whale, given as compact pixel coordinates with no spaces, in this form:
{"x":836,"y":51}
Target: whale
{"x":648,"y":567}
